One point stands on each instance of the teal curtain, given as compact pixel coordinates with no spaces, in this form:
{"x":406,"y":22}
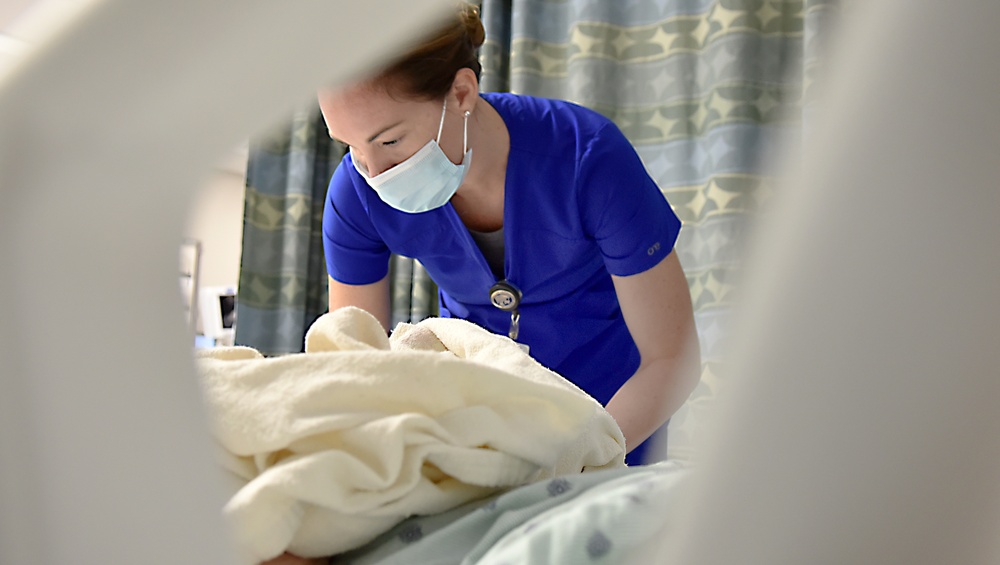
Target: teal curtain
{"x":707,"y":91}
{"x":413,"y":293}
{"x":283,"y":277}
{"x":283,"y":280}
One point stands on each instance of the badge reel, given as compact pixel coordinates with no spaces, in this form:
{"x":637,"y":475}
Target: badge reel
{"x":507,"y":297}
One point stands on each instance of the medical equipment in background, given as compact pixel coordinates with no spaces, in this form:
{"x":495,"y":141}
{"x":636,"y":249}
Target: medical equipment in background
{"x":217,"y":310}
{"x":864,"y":425}
{"x":190,"y":279}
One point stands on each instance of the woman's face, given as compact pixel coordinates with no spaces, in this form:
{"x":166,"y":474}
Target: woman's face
{"x":381,"y":131}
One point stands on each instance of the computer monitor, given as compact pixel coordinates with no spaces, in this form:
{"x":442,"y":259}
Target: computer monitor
{"x":217,"y":310}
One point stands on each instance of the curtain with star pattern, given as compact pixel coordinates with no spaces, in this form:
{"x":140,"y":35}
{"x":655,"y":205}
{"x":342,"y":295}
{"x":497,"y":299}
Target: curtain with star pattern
{"x":708,"y":92}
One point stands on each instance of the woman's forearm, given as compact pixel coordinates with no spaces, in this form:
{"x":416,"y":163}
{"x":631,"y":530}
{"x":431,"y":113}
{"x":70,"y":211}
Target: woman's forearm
{"x":651,"y":396}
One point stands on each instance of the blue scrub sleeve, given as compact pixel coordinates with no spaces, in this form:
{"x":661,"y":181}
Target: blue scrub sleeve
{"x":621,"y":206}
{"x":355,"y":253}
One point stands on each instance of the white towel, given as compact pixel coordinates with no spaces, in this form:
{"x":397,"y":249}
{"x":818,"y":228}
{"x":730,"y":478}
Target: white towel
{"x":334,"y":446}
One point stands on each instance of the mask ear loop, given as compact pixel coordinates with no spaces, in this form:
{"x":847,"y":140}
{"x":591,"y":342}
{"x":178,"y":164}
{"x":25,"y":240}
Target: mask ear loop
{"x":465,"y":127}
{"x":444,"y":108}
{"x":465,"y":133}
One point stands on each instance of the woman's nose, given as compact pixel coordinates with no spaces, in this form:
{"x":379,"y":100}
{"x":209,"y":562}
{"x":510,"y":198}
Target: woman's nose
{"x":374,"y":166}
{"x":379,"y":166}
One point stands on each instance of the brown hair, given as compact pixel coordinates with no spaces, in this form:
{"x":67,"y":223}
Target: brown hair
{"x":428,"y":70}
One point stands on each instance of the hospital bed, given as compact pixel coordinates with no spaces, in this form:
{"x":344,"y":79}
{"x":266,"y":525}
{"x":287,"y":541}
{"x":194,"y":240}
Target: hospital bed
{"x":864,"y":425}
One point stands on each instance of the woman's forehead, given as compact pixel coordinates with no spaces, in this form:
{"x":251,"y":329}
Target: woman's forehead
{"x":354,"y":98}
{"x":351,"y":111}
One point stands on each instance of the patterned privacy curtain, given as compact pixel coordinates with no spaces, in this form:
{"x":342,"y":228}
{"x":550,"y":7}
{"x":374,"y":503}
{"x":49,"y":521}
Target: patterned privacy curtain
{"x":283,"y":277}
{"x":283,"y":280}
{"x":414,"y":294}
{"x":706,"y":90}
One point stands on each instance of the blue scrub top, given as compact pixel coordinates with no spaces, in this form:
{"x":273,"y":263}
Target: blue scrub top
{"x":579,"y":207}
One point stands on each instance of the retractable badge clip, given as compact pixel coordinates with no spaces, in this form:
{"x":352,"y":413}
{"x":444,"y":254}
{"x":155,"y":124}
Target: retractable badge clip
{"x":507,"y":297}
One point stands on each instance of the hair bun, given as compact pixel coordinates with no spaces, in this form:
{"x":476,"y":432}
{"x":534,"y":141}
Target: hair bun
{"x":428,"y":71}
{"x":474,"y":30}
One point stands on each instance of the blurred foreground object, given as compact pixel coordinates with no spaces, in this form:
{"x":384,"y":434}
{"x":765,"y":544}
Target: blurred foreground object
{"x":863,"y":427}
{"x":107,"y":126}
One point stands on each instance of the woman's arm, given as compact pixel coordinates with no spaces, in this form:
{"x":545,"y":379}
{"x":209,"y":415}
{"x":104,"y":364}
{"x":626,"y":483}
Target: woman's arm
{"x":657,"y":309}
{"x":373,"y":298}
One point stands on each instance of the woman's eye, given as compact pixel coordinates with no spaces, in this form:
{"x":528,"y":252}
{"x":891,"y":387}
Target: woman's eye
{"x":388,"y":143}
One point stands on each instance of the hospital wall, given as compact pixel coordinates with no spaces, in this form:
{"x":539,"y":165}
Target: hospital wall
{"x":216,"y":220}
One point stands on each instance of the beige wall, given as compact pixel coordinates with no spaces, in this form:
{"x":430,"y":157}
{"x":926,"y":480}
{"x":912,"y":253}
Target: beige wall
{"x":216,"y":220}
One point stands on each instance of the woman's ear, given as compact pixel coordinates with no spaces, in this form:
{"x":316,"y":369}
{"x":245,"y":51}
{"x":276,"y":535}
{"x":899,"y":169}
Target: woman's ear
{"x":465,"y":89}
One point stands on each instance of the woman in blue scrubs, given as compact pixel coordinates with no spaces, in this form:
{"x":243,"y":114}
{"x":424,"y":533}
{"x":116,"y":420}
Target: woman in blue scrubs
{"x":535,"y":218}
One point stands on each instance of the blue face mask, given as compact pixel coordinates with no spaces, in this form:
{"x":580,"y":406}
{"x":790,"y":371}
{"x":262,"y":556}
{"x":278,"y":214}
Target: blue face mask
{"x":426,"y":180}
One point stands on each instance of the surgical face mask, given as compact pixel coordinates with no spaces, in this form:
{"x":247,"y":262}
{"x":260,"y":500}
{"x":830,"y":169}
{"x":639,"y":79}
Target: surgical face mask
{"x":425,"y":181}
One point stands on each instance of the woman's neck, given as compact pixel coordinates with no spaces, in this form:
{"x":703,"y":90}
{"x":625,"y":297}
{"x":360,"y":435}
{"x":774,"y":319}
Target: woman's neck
{"x":479,"y":201}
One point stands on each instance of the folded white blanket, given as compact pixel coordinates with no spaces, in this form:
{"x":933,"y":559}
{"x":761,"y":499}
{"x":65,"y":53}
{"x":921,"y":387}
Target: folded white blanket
{"x":334,"y":446}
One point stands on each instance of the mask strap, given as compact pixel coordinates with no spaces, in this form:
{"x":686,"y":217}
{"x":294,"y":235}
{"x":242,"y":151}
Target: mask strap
{"x":441,"y":125}
{"x":465,"y":133}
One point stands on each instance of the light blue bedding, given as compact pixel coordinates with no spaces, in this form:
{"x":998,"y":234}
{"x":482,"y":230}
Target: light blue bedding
{"x":601,"y":518}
